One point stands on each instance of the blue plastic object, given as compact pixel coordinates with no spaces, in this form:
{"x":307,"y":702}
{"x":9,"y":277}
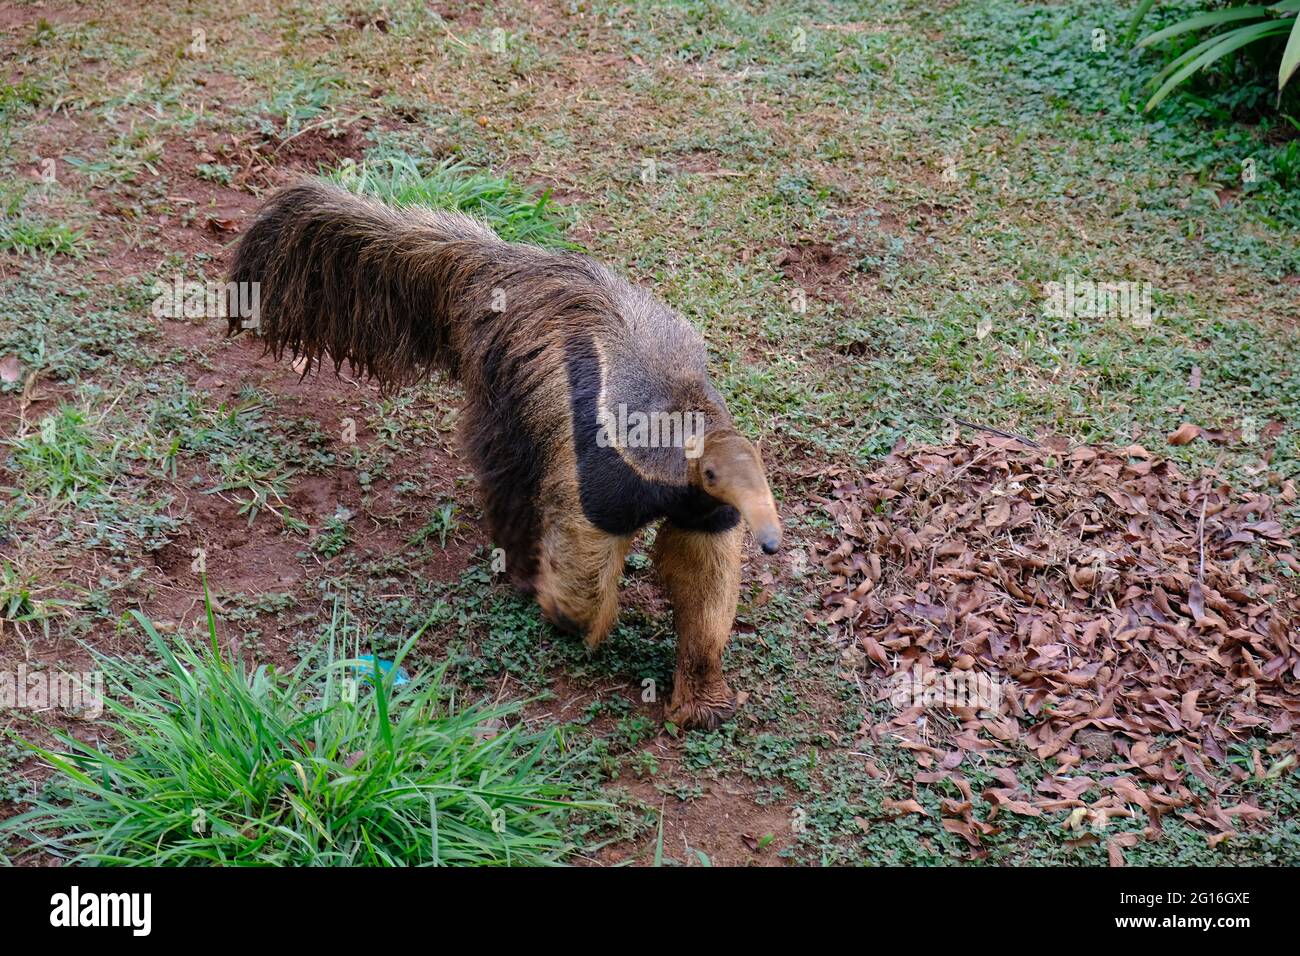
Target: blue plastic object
{"x":385,"y":667}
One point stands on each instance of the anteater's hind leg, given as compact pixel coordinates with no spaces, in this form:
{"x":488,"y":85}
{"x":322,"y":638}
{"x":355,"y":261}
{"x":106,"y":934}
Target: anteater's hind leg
{"x":701,"y":573}
{"x":509,"y":471}
{"x":578,"y":574}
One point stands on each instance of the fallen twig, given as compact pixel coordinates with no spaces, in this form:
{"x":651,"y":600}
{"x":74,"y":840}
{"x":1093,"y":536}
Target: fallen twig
{"x":994,"y":431}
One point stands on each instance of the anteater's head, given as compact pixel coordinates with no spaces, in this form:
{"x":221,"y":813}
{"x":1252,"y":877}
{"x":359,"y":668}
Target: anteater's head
{"x":725,"y":465}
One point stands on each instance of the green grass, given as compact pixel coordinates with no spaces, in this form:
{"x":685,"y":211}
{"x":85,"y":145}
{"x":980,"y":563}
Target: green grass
{"x":59,"y":327}
{"x":334,"y":536}
{"x":60,"y":459}
{"x":213,"y":762}
{"x":33,"y":237}
{"x":74,"y":481}
{"x":129,"y":159}
{"x":516,"y":213}
{"x":23,"y":604}
{"x":301,"y":104}
{"x":252,"y":459}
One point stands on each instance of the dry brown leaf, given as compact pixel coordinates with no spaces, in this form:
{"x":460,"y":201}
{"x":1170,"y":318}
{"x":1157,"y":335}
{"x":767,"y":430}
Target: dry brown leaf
{"x":903,"y":807}
{"x":1115,"y":847}
{"x":1067,"y":575}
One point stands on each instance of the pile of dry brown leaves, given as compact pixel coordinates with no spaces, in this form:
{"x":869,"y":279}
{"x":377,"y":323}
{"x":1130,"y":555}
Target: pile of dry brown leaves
{"x":1131,"y":621}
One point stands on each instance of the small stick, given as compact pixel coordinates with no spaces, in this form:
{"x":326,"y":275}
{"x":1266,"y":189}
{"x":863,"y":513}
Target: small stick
{"x":1200,"y":536}
{"x":995,"y":431}
{"x":314,"y":126}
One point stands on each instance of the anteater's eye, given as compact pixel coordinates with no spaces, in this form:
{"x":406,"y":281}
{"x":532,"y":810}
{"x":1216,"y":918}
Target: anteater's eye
{"x":709,"y":475}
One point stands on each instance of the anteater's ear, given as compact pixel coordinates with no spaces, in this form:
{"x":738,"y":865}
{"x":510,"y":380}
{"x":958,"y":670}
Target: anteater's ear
{"x":728,"y":468}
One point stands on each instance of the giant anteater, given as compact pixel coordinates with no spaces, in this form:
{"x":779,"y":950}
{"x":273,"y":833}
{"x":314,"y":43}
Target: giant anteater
{"x":552,"y":351}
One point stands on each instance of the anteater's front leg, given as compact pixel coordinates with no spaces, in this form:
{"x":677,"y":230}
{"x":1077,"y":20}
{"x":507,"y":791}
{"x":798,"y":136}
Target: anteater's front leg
{"x":578,"y":574}
{"x":701,"y":573}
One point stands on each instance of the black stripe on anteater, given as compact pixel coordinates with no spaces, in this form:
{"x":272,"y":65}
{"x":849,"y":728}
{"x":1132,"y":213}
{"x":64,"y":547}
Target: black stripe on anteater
{"x":614,"y":497}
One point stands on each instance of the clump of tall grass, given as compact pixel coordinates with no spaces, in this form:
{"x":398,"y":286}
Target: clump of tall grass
{"x":515,"y":212}
{"x":332,"y":763}
{"x":32,"y":237}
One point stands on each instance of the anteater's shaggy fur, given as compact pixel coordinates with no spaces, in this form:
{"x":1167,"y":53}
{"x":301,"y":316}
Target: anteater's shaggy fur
{"x":542,"y":342}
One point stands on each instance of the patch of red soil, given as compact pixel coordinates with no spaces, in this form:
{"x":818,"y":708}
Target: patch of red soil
{"x":21,"y":18}
{"x":261,"y":556}
{"x":319,"y":148}
{"x":726,"y":823}
{"x":819,"y":268}
{"x":467,"y":15}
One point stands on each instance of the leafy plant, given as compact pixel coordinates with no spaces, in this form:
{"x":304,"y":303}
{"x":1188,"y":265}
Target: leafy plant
{"x":32,"y":237}
{"x":215,"y":173}
{"x":20,"y":604}
{"x":334,"y":534}
{"x":328,"y":764}
{"x":294,"y":106}
{"x":1286,"y":162}
{"x":441,"y":523}
{"x":65,"y":330}
{"x":1242,"y":26}
{"x":60,"y":460}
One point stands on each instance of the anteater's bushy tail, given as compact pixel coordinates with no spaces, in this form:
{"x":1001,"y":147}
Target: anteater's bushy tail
{"x":381,"y":289}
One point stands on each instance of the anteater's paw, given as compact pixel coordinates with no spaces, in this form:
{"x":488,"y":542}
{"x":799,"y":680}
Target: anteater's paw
{"x":599,"y":626}
{"x":704,"y":710}
{"x":525,"y":585}
{"x":561,"y":620}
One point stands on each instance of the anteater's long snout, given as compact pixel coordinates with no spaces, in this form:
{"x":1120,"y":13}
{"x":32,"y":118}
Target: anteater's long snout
{"x":730,"y":469}
{"x":758,"y":510}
